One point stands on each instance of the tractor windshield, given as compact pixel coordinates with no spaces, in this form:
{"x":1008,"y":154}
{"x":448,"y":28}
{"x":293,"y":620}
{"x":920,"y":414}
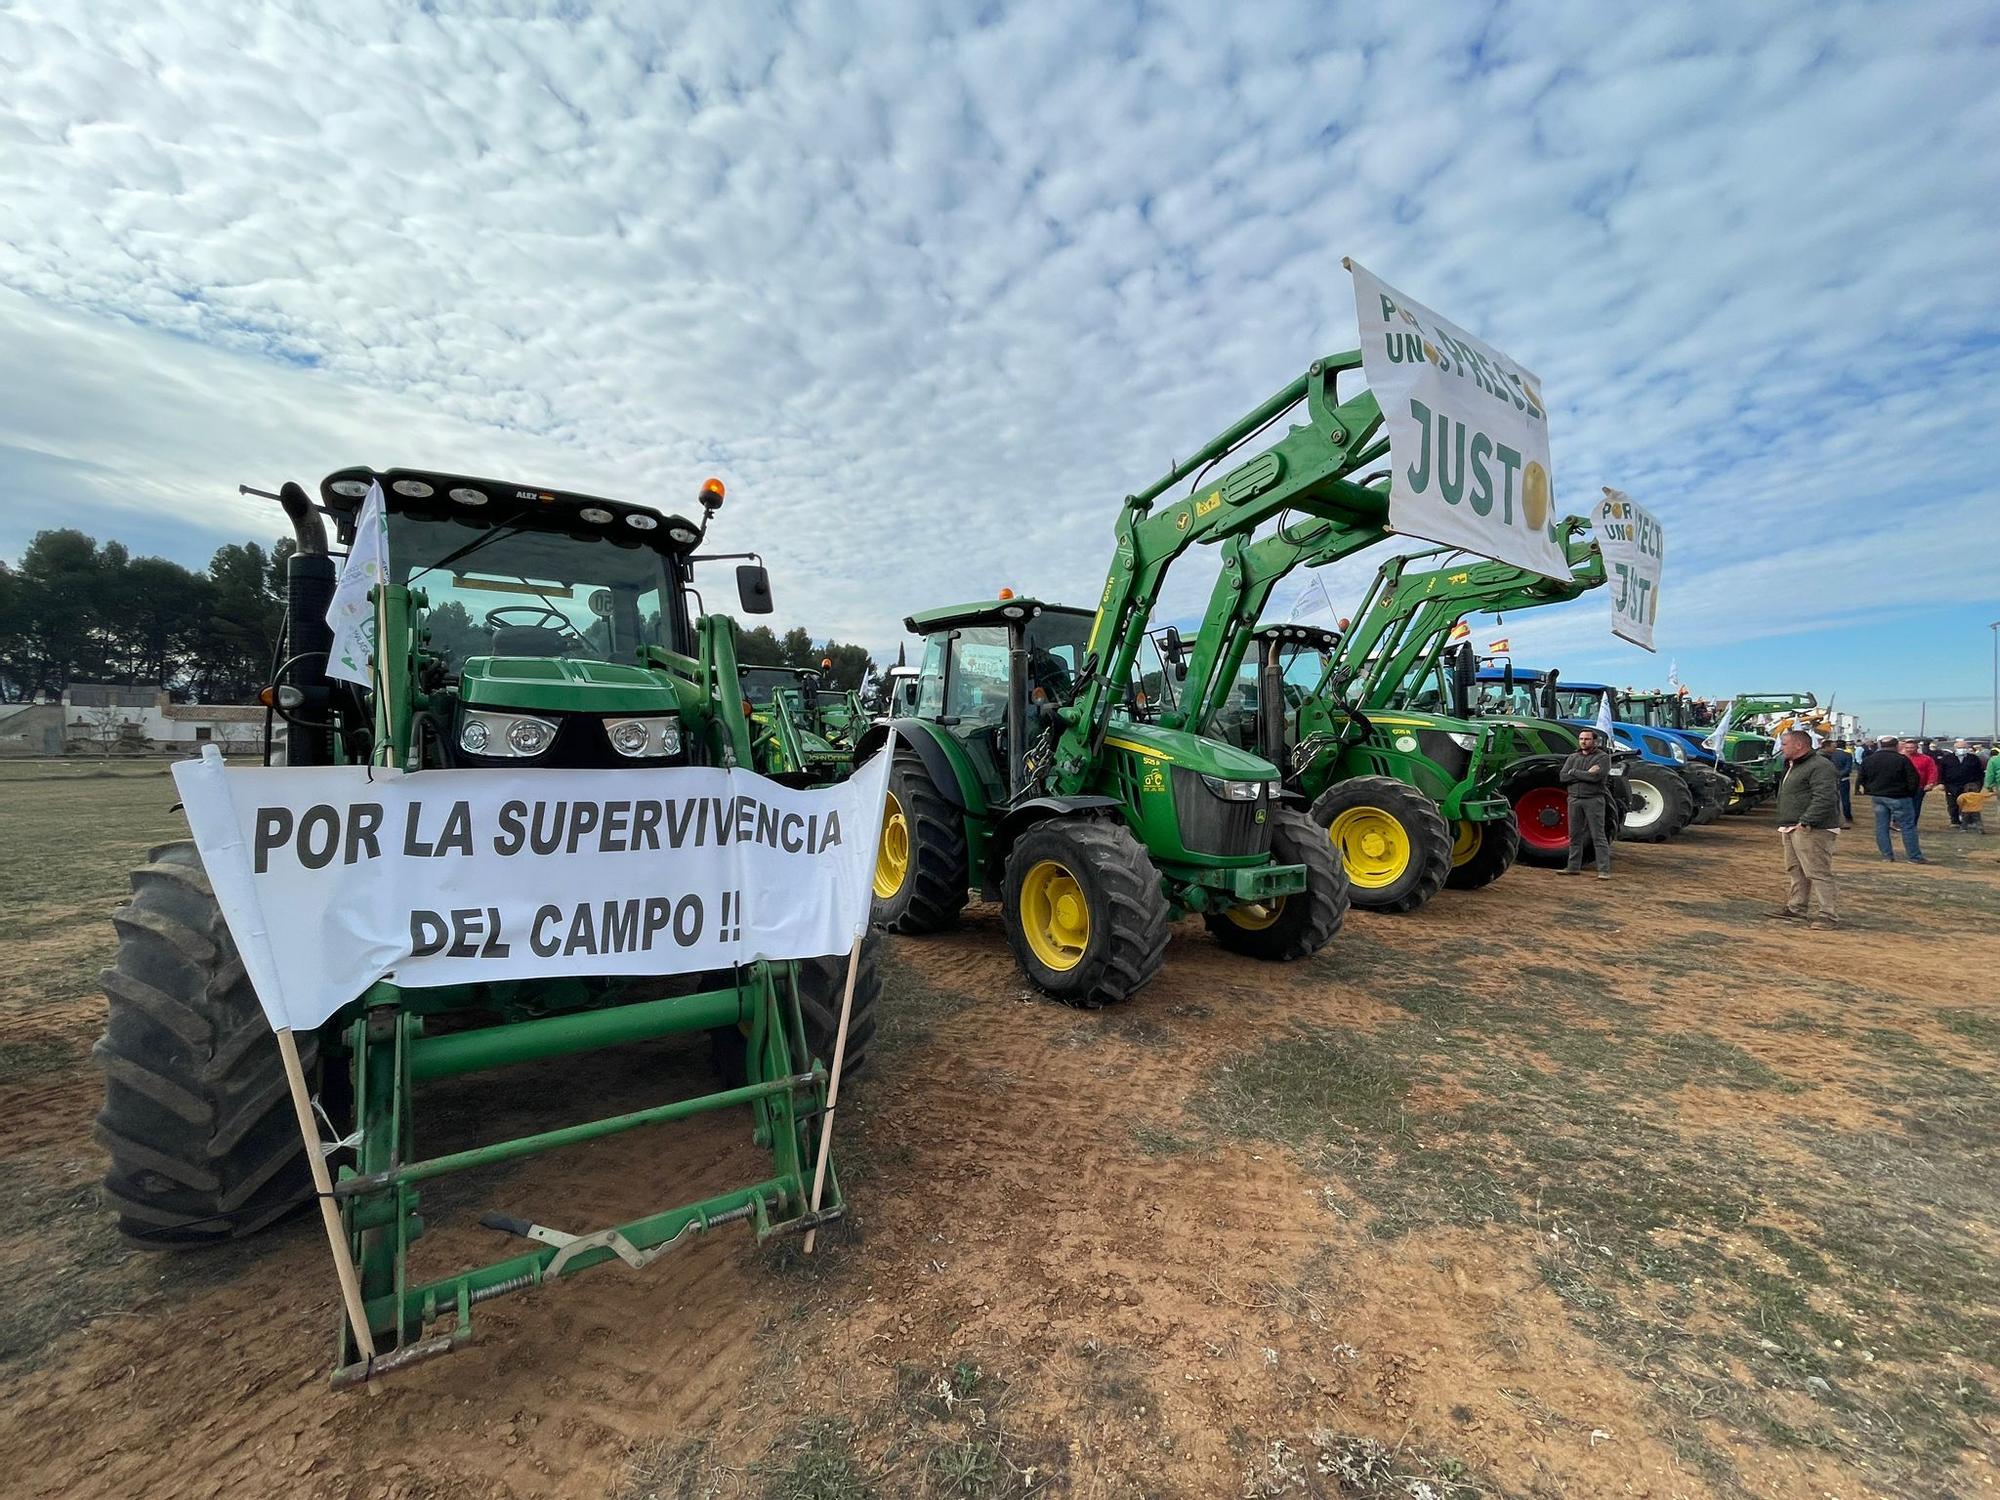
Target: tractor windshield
{"x":496,"y":592}
{"x":759,"y":683}
{"x":1578,"y":703}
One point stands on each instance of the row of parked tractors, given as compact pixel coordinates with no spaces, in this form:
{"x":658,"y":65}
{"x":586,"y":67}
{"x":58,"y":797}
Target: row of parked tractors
{"x":1098,"y":777}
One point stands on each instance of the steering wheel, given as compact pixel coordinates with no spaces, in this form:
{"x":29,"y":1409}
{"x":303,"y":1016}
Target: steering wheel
{"x":538,"y":615}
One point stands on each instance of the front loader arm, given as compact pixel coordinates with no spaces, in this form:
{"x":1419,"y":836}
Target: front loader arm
{"x":1407,"y":618}
{"x":1306,"y":470}
{"x":1250,"y":571}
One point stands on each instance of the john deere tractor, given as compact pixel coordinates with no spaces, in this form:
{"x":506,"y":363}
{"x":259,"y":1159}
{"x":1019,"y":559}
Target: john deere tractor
{"x":521,"y":628}
{"x":1407,"y":655}
{"x":1028,"y":770}
{"x":1408,"y":798}
{"x":801,"y":731}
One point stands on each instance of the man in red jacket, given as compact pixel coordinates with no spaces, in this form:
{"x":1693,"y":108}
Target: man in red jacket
{"x":1927,"y":772}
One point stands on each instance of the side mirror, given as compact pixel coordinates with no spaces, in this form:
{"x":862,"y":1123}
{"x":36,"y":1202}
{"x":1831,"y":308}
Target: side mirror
{"x":1464,"y":669}
{"x":753,"y":588}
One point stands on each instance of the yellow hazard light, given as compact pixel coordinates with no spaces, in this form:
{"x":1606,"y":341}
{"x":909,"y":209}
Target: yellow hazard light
{"x":711,"y":493}
{"x":1006,"y":593}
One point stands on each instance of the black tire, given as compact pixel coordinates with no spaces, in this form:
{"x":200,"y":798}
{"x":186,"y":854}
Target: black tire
{"x":821,"y":983}
{"x":1710,"y":793}
{"x":1660,"y":805}
{"x":1118,"y":891}
{"x":1374,"y":882}
{"x":1742,"y":795}
{"x":1535,"y":791}
{"x":1498,"y":846}
{"x":935,"y":882}
{"x":1302,"y":924}
{"x":197,"y":1116}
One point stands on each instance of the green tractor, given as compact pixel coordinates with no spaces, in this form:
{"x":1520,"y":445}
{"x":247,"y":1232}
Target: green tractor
{"x":1407,"y":798}
{"x":801,"y":731}
{"x":1407,"y":653}
{"x":597,"y":662}
{"x":1028,"y":769}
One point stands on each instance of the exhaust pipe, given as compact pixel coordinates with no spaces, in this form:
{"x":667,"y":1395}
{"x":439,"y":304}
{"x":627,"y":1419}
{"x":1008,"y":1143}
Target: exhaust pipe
{"x":309,"y":582}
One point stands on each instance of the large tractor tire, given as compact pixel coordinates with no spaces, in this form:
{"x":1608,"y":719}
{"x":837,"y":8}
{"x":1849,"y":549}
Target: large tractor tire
{"x":821,"y":981}
{"x":1660,"y":805}
{"x":1710,"y":793}
{"x":1292,"y":927}
{"x":1393,"y":842}
{"x":197,"y":1116}
{"x":1084,"y":911}
{"x":1483,"y":852}
{"x":1541,"y":811}
{"x":921,"y":882}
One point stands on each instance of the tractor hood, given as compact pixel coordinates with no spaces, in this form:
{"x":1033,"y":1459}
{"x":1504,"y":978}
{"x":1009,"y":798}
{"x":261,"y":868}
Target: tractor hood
{"x":1177,"y":747}
{"x":555,"y":684}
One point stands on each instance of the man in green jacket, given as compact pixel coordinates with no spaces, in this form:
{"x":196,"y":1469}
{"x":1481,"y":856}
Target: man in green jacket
{"x":1808,"y":823}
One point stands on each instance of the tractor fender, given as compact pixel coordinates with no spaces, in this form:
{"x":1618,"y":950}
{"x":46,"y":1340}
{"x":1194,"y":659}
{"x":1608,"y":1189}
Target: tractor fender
{"x":1020,"y":818}
{"x":937,"y":765}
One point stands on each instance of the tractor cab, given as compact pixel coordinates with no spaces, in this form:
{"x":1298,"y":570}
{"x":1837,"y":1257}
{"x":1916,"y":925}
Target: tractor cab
{"x":536,"y":616}
{"x":993,"y":675}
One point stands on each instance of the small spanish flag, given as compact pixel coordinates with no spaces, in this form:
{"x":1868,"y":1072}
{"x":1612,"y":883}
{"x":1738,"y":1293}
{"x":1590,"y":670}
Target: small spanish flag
{"x":1460,"y":631}
{"x":1497,"y":648}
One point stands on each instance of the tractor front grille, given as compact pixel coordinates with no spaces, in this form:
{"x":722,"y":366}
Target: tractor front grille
{"x":1212,"y":825}
{"x":1452,"y":758}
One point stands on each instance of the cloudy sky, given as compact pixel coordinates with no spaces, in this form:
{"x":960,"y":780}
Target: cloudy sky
{"x":932,"y":286}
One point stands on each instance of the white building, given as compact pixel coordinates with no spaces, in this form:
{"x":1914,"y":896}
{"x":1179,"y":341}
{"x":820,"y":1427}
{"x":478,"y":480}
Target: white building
{"x":109,"y":717}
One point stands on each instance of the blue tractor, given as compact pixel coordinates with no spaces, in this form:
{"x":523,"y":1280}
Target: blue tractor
{"x":1672,"y":786}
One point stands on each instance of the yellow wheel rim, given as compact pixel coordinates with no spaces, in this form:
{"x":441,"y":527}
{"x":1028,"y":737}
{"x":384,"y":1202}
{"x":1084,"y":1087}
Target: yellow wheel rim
{"x":892,"y":855}
{"x":1373,"y":845}
{"x":1054,"y":916}
{"x":1258,"y":915}
{"x":1465,"y":843}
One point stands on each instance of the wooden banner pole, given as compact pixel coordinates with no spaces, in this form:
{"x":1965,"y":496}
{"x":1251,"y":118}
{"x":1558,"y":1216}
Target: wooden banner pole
{"x":833,"y":1086}
{"x":336,"y":1233}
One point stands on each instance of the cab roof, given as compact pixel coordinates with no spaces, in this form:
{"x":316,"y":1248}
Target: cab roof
{"x":985,"y":612}
{"x":498,"y":502}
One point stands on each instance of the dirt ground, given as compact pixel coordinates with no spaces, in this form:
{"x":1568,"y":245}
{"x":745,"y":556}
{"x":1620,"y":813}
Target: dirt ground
{"x":1554,"y":1189}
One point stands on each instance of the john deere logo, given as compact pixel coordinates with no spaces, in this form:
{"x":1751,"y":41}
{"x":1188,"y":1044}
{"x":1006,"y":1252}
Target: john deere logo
{"x":1406,"y":742}
{"x":1182,"y":520}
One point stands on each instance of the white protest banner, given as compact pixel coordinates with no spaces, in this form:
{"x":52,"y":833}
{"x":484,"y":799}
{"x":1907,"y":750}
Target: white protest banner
{"x":1635,"y":551}
{"x":1468,"y":431}
{"x":350,"y":614}
{"x":332,"y":877}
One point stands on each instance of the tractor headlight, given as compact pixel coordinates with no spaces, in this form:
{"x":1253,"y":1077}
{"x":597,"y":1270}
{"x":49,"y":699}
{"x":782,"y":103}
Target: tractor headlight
{"x":1679,"y":754}
{"x":505,"y":736}
{"x":530,"y":736}
{"x":1234,"y":791}
{"x":643,"y":737}
{"x":1463,"y":741}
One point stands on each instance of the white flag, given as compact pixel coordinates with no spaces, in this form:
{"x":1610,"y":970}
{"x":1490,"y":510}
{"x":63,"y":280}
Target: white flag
{"x":1468,"y":433}
{"x":351,"y":615}
{"x":1673,"y":674}
{"x":1635,"y":548}
{"x":1714,"y":741}
{"x":1314,"y":588}
{"x":1604,"y":718}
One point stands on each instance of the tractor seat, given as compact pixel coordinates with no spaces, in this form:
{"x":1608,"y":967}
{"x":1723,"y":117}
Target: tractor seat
{"x":529,"y":640}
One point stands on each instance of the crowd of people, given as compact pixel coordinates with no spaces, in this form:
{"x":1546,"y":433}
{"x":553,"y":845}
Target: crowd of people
{"x":1816,"y":801}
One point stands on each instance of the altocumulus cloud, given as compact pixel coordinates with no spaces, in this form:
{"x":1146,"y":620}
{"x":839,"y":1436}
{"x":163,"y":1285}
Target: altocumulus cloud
{"x":934,"y":285}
